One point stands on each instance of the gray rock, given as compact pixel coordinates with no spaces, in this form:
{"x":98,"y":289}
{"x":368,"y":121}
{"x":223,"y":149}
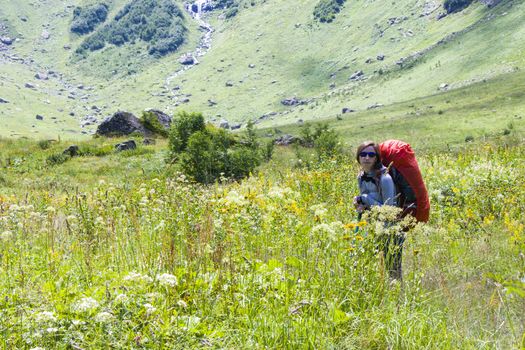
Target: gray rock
{"x":6,"y":40}
{"x":347,"y":110}
{"x":211,"y":103}
{"x":187,"y":59}
{"x":380,"y":57}
{"x":119,"y":124}
{"x":126,"y":145}
{"x":29,"y":85}
{"x":3,"y":100}
{"x":45,"y":34}
{"x":285,"y":140}
{"x":441,"y":15}
{"x":67,"y":47}
{"x":251,"y":65}
{"x":293,"y":101}
{"x":368,"y":60}
{"x":163,"y":118}
{"x":357,"y":75}
{"x":443,"y":87}
{"x":41,"y":76}
{"x":223,"y":123}
{"x":71,"y":150}
{"x":39,"y":117}
{"x":229,"y":83}
{"x":148,"y":141}
{"x":235,"y":126}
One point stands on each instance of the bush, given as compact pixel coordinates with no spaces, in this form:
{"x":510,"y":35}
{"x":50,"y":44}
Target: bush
{"x":57,"y":158}
{"x":85,"y":20}
{"x":182,"y":127}
{"x":151,"y":122}
{"x":206,"y":153}
{"x":44,"y":144}
{"x":456,"y":5}
{"x":325,"y":10}
{"x":158,"y":22}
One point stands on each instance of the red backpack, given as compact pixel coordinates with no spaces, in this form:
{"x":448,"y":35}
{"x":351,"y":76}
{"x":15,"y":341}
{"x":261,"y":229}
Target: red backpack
{"x":399,"y":155}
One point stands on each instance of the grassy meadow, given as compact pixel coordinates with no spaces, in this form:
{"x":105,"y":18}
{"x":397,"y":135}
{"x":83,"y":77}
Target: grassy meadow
{"x":119,"y":250}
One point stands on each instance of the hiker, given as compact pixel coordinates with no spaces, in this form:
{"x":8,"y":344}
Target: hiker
{"x":376,"y":187}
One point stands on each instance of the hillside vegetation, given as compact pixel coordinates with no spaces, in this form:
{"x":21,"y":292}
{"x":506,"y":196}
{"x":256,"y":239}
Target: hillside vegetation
{"x":268,"y":52}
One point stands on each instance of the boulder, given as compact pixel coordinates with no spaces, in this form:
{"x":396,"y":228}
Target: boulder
{"x":293,"y":101}
{"x":235,"y":126}
{"x":41,"y":76}
{"x":29,"y":85}
{"x":126,"y":145}
{"x":357,"y":75}
{"x":443,"y":87}
{"x":380,"y":57}
{"x":211,"y":103}
{"x":347,"y":110}
{"x":163,"y":118}
{"x":120,"y":123}
{"x":285,"y":140}
{"x":67,"y":47}
{"x":251,"y":65}
{"x":229,"y":83}
{"x":187,"y":59}
{"x":368,"y":60}
{"x":6,"y":40}
{"x":224,"y":124}
{"x":71,"y":150}
{"x":148,"y":141}
{"x":39,"y":117}
{"x":45,"y":35}
{"x":3,"y":101}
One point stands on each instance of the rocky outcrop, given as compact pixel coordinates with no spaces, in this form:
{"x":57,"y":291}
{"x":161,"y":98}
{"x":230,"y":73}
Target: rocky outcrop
{"x":3,"y":101}
{"x":293,"y":101}
{"x":285,"y":140}
{"x":163,"y":118}
{"x":6,"y":40}
{"x":119,"y":124}
{"x":41,"y":76}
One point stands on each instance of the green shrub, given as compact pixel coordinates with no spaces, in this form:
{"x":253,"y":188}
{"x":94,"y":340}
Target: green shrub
{"x":94,"y":151}
{"x":86,"y":19}
{"x":327,"y":144}
{"x":160,"y":23}
{"x":182,"y":127}
{"x":206,"y":153}
{"x":325,"y":10}
{"x":151,"y":122}
{"x":44,"y":144}
{"x":57,"y":158}
{"x":456,"y":5}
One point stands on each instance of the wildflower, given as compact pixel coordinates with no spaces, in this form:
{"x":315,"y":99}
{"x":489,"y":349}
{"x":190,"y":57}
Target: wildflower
{"x":6,"y":235}
{"x":52,"y":330}
{"x":85,"y":305}
{"x":50,"y":209}
{"x":137,"y":277}
{"x":182,"y":304}
{"x":45,"y":316}
{"x":104,"y":317}
{"x":349,"y":226}
{"x":150,"y":309}
{"x":121,"y":298}
{"x":319,"y":210}
{"x":38,"y":348}
{"x":167,"y":280}
{"x":325,"y":228}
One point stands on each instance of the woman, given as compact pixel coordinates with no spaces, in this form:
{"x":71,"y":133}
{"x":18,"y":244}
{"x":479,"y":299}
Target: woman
{"x":376,"y":187}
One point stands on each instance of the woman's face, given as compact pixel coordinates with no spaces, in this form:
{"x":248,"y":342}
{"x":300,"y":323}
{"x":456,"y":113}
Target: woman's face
{"x":367,"y":158}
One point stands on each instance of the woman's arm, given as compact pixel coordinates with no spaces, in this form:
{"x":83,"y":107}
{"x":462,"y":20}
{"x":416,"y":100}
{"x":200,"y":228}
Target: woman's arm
{"x":388,"y":190}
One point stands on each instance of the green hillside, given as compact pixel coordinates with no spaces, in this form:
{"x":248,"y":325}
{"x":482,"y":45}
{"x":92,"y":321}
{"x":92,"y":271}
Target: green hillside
{"x":269,"y":51}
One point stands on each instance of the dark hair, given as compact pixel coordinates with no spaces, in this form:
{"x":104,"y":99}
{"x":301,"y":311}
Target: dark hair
{"x":366,"y":144}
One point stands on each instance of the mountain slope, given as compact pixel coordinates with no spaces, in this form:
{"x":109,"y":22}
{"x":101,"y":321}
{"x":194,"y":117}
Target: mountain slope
{"x":268,"y":52}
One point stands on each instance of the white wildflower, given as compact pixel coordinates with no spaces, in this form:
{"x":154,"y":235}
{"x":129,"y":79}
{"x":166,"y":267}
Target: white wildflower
{"x":137,"y":277}
{"x":6,"y":235}
{"x":150,"y":309}
{"x":85,"y":305}
{"x":318,"y":209}
{"x":167,"y":280}
{"x":233,"y":197}
{"x":104,"y":317}
{"x":182,"y":304}
{"x":45,"y":316}
{"x":50,"y":209}
{"x":121,"y":298}
{"x":52,"y":330}
{"x":38,"y":348}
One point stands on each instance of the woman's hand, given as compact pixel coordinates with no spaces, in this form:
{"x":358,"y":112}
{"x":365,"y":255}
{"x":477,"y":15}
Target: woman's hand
{"x":358,"y":204}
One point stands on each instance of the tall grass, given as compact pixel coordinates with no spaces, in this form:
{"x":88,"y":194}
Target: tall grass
{"x":273,"y":262}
